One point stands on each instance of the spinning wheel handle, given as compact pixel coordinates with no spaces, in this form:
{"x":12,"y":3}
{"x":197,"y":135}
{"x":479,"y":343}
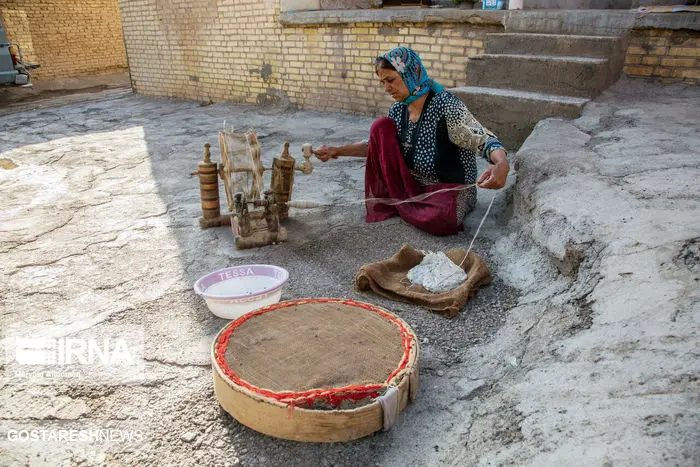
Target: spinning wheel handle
{"x":306,"y":167}
{"x":306,"y":149}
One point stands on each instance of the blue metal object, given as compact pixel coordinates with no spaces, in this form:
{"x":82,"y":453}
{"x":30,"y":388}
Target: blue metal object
{"x":7,"y":67}
{"x":493,"y":4}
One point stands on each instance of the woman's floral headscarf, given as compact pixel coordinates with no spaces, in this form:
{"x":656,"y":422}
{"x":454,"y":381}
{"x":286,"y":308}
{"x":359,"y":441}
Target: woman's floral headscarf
{"x":407,"y":63}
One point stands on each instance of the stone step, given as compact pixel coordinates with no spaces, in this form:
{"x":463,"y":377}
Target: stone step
{"x":512,"y":114}
{"x":553,"y":44}
{"x":587,"y":22}
{"x":565,"y":76}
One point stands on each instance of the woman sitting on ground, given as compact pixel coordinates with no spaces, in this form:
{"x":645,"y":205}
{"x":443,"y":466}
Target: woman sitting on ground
{"x":428,"y":143}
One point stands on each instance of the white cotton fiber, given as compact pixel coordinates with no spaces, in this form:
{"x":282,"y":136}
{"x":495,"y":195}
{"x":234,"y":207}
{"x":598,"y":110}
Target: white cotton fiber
{"x":437,"y":273}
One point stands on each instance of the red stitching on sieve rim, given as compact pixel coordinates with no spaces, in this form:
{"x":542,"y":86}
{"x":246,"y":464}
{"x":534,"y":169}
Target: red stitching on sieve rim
{"x":334,"y":396}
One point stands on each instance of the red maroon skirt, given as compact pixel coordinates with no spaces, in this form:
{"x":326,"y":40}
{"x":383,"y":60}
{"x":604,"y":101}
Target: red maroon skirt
{"x":388,"y":177}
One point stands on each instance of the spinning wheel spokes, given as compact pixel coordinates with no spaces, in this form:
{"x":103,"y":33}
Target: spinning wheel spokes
{"x":225,"y":169}
{"x":241,"y":168}
{"x":257,"y":169}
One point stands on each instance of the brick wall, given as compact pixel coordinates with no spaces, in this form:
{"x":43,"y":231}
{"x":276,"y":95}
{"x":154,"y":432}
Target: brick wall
{"x":66,"y":37}
{"x":236,"y":50}
{"x":671,"y":55}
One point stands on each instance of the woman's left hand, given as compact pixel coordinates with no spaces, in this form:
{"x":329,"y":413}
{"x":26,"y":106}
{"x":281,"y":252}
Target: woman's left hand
{"x":494,"y":177}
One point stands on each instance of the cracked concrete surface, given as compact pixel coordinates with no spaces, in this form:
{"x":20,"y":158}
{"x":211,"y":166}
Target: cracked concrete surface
{"x":608,"y":351}
{"x":583,"y":350}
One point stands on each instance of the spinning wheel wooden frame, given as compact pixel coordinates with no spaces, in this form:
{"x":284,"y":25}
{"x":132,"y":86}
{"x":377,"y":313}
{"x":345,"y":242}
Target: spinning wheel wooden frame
{"x":248,"y":175}
{"x":241,"y":171}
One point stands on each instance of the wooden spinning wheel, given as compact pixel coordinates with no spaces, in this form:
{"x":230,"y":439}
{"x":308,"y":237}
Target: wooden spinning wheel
{"x":241,"y":170}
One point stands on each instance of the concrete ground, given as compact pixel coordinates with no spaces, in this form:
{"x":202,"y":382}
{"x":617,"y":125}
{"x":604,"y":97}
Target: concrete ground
{"x":584,"y":349}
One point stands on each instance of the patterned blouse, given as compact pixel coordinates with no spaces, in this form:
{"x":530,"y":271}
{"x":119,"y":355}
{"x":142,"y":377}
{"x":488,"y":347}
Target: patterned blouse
{"x":441,"y":146}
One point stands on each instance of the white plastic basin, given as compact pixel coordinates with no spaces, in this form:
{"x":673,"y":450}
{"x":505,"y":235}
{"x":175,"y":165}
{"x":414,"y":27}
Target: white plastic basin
{"x":233,"y":292}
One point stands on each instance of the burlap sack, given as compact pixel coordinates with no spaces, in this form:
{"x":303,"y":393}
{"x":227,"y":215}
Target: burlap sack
{"x":388,"y":278}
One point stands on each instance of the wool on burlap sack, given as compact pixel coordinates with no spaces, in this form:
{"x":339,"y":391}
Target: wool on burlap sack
{"x":388,"y":278}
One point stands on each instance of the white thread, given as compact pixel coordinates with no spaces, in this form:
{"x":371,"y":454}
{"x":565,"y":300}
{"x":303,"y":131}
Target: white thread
{"x":421,"y":197}
{"x":479,"y":228}
{"x":304,"y":204}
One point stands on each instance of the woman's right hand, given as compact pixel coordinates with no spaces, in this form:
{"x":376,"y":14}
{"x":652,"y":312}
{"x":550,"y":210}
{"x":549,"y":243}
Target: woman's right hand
{"x":326,"y":152}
